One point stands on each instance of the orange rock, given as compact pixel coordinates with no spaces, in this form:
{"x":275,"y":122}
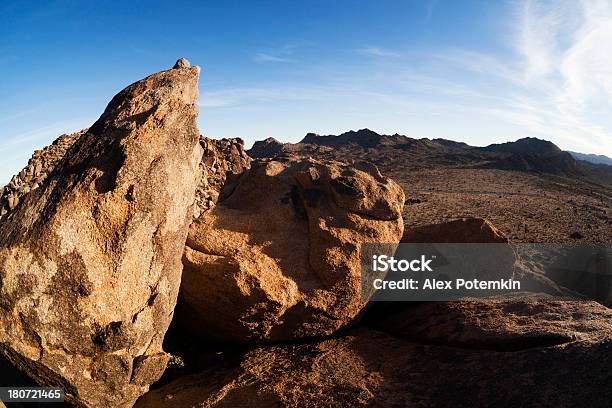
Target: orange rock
{"x":278,"y":258}
{"x":480,"y":354}
{"x":464,"y":230}
{"x":90,"y":261}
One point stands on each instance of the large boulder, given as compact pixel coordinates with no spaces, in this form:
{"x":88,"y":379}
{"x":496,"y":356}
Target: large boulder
{"x":278,"y":258}
{"x":90,"y":260}
{"x":371,"y":368}
{"x":466,"y":248}
{"x":463,"y":230}
{"x":523,"y":262}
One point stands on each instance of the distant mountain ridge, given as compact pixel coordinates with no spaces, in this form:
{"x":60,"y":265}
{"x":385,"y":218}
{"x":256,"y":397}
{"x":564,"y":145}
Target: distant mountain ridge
{"x":527,"y":154}
{"x":535,"y":155}
{"x":364,"y":137}
{"x":524,"y":146}
{"x":592,"y":158}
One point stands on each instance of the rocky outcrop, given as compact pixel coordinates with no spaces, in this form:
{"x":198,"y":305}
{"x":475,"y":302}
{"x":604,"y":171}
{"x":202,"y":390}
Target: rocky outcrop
{"x":278,"y":258}
{"x":363,"y":137}
{"x":464,"y":230}
{"x":39,"y":167}
{"x":371,"y":368}
{"x":504,"y":323}
{"x":222,"y":158}
{"x":531,"y":154}
{"x":90,"y":261}
{"x":181,"y":63}
{"x":524,"y":146}
{"x":272,"y":149}
{"x":491,"y":256}
{"x":266,"y":148}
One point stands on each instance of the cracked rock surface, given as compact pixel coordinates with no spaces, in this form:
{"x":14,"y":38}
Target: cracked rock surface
{"x":278,"y":257}
{"x":222,"y":158}
{"x":90,"y":260}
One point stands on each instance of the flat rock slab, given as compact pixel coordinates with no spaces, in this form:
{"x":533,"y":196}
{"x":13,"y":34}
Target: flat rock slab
{"x":90,"y":260}
{"x":503,"y":323}
{"x":370,"y":368}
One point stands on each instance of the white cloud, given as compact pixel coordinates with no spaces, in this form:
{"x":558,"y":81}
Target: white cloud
{"x":565,"y":46}
{"x":587,"y":65}
{"x":35,"y":136}
{"x":537,"y":38}
{"x":285,"y":54}
{"x":559,"y":83}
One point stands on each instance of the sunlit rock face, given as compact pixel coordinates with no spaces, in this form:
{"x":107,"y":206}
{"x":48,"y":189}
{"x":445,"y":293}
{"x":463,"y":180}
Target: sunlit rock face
{"x":90,"y":259}
{"x":278,"y":258}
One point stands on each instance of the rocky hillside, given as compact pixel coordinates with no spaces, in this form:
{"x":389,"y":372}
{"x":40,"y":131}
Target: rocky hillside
{"x":530,"y":155}
{"x":535,"y":155}
{"x":525,"y":146}
{"x":142,"y":264}
{"x":530,"y":188}
{"x":39,"y":167}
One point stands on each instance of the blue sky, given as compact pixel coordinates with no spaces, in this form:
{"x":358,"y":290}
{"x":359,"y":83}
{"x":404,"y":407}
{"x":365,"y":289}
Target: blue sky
{"x":473,"y":71}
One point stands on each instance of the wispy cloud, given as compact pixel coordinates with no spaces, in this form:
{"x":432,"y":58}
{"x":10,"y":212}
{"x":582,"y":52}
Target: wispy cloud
{"x":262,"y":57}
{"x":430,"y":6}
{"x":286,"y":54}
{"x":16,"y":115}
{"x":485,"y":65}
{"x":558,"y":84}
{"x":263,"y":93}
{"x":9,"y":142}
{"x":378,"y":52}
{"x":549,"y":77}
{"x":565,"y":49}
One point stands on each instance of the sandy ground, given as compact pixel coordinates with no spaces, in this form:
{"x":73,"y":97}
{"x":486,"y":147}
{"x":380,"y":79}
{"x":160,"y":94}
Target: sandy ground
{"x":526,"y":207}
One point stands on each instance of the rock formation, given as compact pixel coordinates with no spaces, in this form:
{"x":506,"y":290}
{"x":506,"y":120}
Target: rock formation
{"x":503,"y":323}
{"x":278,"y":258}
{"x":491,"y":255}
{"x":560,"y":356}
{"x":268,"y":148}
{"x":39,"y":167}
{"x":182,"y":63}
{"x":221,"y":157}
{"x":464,"y":230}
{"x":90,"y":260}
{"x":95,"y":232}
